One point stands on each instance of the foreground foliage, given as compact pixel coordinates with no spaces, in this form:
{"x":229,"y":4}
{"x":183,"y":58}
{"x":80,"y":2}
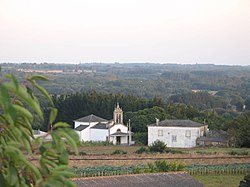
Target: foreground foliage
{"x":18,"y":108}
{"x":246,"y":181}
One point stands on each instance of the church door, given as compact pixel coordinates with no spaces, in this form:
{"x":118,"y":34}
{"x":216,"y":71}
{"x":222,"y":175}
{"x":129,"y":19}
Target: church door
{"x":118,"y":140}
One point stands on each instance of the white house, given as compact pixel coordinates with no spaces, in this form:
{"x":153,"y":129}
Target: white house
{"x":176,"y":133}
{"x":94,"y":128}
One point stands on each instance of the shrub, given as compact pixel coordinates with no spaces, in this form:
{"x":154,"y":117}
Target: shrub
{"x":118,"y":151}
{"x":164,"y":166}
{"x":96,"y":143}
{"x":242,"y":153}
{"x":158,"y":147}
{"x":245,"y":182}
{"x":173,"y":151}
{"x":136,"y":170}
{"x":141,"y":150}
{"x":141,"y":138}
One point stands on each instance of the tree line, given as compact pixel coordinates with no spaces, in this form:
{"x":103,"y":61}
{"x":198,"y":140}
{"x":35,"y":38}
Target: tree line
{"x":142,"y":112}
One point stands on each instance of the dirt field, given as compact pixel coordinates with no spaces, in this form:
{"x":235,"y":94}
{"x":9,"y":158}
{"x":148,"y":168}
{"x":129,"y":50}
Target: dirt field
{"x":101,"y":155}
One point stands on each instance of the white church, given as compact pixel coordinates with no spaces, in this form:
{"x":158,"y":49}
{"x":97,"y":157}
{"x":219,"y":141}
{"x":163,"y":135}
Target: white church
{"x":94,"y":128}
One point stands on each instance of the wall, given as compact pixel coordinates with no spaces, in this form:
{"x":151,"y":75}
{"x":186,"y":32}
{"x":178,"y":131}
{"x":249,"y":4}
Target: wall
{"x":98,"y":134}
{"x":180,"y":132}
{"x":85,"y":133}
{"x":122,"y":127}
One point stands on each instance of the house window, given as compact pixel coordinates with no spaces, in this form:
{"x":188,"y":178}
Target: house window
{"x":160,"y":132}
{"x":174,"y":138}
{"x":188,"y":133}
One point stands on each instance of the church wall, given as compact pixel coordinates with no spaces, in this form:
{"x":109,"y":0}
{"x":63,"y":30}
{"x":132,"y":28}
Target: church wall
{"x":123,"y":128}
{"x":98,"y":134}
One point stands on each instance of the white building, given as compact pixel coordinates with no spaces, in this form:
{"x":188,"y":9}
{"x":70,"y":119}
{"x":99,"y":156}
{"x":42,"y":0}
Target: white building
{"x":42,"y":134}
{"x":176,"y":133}
{"x":94,"y":128}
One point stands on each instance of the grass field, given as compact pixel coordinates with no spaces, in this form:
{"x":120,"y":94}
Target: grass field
{"x":219,"y":180}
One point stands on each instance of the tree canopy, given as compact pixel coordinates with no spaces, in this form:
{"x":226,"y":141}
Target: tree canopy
{"x":240,"y":130}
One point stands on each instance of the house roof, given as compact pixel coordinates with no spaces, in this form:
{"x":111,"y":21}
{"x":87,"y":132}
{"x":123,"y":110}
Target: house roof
{"x":141,"y":180}
{"x":81,"y":127}
{"x":91,"y":118}
{"x":178,"y":123}
{"x":100,"y":126}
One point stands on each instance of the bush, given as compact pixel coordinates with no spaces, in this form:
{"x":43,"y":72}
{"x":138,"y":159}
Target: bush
{"x":245,"y":182}
{"x":241,"y":153}
{"x":158,"y":147}
{"x":119,"y":152}
{"x":141,"y":150}
{"x":141,"y":138}
{"x":96,"y":143}
{"x":164,"y":166}
{"x":174,"y":151}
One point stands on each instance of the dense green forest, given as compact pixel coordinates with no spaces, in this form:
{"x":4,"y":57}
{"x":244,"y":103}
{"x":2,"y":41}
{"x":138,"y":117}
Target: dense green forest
{"x":171,"y":82}
{"x":216,"y":95}
{"x":231,"y":83}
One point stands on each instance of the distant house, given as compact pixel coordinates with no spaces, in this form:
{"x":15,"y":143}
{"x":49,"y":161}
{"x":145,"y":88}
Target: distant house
{"x":215,"y":138}
{"x":94,"y":128}
{"x":176,"y":133}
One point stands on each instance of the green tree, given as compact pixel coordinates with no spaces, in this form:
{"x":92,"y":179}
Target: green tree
{"x":239,"y":129}
{"x":18,"y":106}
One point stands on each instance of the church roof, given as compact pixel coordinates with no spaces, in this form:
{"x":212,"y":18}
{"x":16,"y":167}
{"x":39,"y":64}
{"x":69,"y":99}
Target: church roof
{"x":81,"y":127}
{"x":178,"y":123}
{"x":91,"y":118}
{"x":100,"y":126}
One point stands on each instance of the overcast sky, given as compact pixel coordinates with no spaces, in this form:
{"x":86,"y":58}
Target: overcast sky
{"x":176,"y":31}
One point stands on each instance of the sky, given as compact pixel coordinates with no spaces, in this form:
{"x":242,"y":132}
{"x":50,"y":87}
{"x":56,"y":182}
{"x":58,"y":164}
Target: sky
{"x":157,"y":31}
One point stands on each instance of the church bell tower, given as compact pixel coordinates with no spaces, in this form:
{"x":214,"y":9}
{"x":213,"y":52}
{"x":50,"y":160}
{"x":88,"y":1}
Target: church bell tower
{"x":118,"y":115}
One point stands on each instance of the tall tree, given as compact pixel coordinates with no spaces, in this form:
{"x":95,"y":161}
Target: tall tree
{"x":239,"y":129}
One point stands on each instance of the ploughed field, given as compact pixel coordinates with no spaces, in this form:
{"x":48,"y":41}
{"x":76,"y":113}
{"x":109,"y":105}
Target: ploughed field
{"x":125,"y":156}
